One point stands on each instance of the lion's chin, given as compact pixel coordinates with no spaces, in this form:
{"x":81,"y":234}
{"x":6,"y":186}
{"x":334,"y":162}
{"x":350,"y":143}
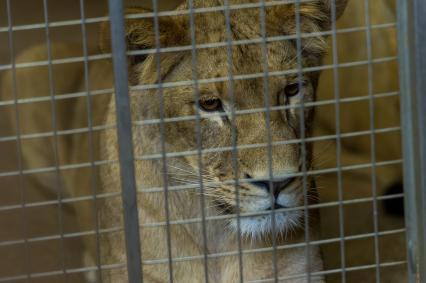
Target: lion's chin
{"x":256,"y":227}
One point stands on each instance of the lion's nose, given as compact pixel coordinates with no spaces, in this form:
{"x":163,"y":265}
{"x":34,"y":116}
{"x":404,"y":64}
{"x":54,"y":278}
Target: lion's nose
{"x":275,"y":185}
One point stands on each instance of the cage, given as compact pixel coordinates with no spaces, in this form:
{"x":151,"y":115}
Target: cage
{"x":212,"y":141}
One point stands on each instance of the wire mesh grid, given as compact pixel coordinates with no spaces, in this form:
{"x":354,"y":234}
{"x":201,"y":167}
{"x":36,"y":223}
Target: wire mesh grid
{"x":82,"y":205}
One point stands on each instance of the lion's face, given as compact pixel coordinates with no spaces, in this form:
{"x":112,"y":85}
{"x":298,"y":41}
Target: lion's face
{"x":232,"y":121}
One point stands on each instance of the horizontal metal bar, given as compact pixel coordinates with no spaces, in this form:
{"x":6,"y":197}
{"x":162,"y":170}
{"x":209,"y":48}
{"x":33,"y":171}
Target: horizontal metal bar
{"x":58,"y":237}
{"x":148,"y":15}
{"x":55,"y":24}
{"x":158,"y":189}
{"x":194,"y":152}
{"x":258,"y":40}
{"x":260,"y":213}
{"x":270,"y":73}
{"x":190,"y":82}
{"x":53,"y":202}
{"x":279,"y":247}
{"x":223,"y":8}
{"x":271,"y":108}
{"x":308,"y":173}
{"x":171,"y":188}
{"x":337,"y":270}
{"x":223,"y":254}
{"x":193,"y":117}
{"x":45,"y":63}
{"x":263,"y":145}
{"x":123,"y":265}
{"x":58,"y":97}
{"x":104,"y":56}
{"x":198,"y":220}
{"x":58,"y":133}
{"x":94,"y":20}
{"x":60,"y":167}
{"x":61,"y":272}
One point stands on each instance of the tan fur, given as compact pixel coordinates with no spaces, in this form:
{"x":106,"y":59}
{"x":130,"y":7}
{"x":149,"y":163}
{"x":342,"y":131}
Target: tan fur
{"x":187,"y":239}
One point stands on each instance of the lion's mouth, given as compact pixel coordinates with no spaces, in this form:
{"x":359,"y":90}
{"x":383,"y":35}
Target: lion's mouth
{"x":262,"y":217}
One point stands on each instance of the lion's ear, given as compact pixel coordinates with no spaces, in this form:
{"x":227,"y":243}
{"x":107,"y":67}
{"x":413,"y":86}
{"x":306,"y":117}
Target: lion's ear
{"x":140,"y":34}
{"x":321,"y":11}
{"x":339,"y":4}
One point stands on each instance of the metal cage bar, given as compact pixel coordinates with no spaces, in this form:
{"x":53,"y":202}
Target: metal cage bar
{"x":337,"y":107}
{"x":19,"y":156}
{"x":124,"y":133}
{"x":160,"y":93}
{"x":55,"y":146}
{"x":412,"y":56}
{"x":234,"y":149}
{"x":371,"y":110}
{"x":91,"y":145}
{"x":194,"y":71}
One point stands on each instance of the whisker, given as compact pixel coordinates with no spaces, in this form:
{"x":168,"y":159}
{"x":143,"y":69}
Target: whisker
{"x":180,"y":168}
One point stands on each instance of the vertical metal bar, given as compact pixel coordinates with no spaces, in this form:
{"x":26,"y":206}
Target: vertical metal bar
{"x":303,"y":137}
{"x":372,"y":136}
{"x":157,"y":57}
{"x":124,"y":132}
{"x":265,"y":68}
{"x":412,"y":62}
{"x":198,"y":134}
{"x":234,"y":152}
{"x":18,"y":142}
{"x":90,"y":136}
{"x":55,"y":135}
{"x":338,"y":140}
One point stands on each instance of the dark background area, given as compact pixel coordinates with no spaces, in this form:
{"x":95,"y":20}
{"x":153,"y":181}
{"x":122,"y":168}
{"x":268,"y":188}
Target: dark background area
{"x":42,"y":256}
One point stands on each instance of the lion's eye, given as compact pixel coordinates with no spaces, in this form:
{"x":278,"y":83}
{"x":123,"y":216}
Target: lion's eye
{"x":211,"y":104}
{"x":292,"y":90}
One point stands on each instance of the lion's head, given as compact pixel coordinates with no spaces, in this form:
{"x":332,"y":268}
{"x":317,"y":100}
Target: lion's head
{"x":228,"y":104}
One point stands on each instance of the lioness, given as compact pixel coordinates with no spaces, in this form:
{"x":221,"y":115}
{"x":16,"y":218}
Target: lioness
{"x":216,"y":105}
